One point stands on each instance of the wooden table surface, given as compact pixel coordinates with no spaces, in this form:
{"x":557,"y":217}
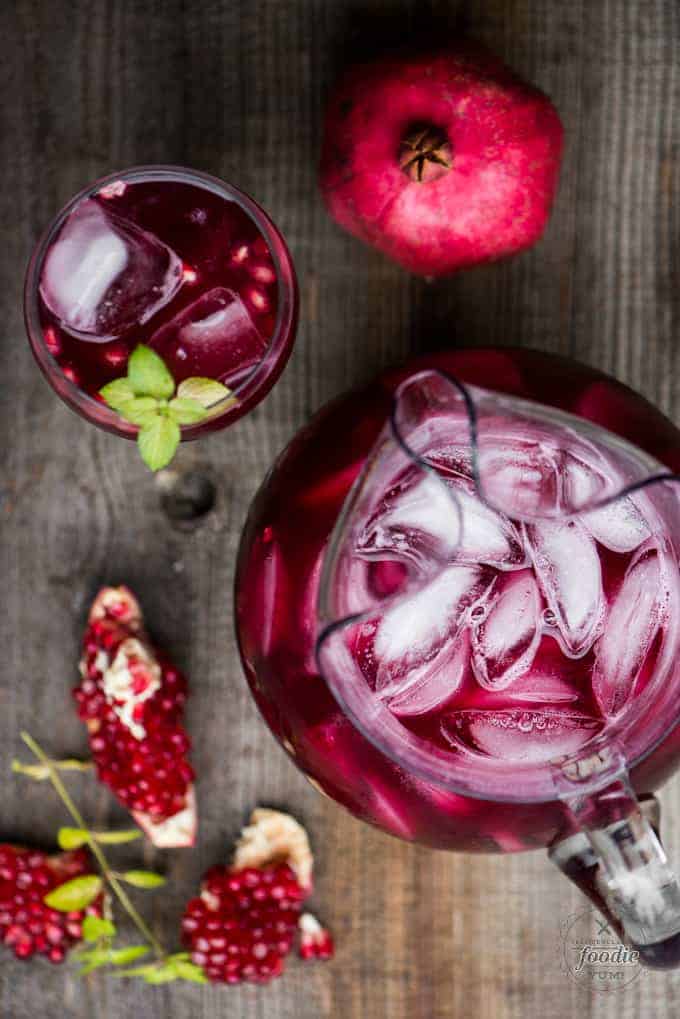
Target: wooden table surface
{"x":236,"y":88}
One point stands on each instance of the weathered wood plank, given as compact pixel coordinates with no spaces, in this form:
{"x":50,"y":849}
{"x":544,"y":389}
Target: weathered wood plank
{"x":237,"y":88}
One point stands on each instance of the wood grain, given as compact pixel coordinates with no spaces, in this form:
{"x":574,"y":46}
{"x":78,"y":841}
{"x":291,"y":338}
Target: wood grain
{"x":236,"y":87}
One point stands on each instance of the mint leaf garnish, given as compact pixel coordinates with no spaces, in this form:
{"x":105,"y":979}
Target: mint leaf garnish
{"x":115,"y":838}
{"x":72,"y":838}
{"x":118,"y":393}
{"x":158,"y":440}
{"x":41,"y":772}
{"x":148,"y":375}
{"x":94,"y":928}
{"x":124,"y":956}
{"x":143,"y":879}
{"x":93,"y":960}
{"x":205,"y":391}
{"x":186,"y":411}
{"x":161,"y":975}
{"x":138,"y":971}
{"x":190,"y":971}
{"x":74,"y":895}
{"x":146,"y":397}
{"x":140,"y":409}
{"x":173,"y":967}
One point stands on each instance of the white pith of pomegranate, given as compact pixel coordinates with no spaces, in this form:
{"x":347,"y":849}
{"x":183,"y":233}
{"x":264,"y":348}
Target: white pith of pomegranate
{"x":131,"y":698}
{"x":245,"y":921}
{"x":272,"y":836}
{"x":27,"y":924}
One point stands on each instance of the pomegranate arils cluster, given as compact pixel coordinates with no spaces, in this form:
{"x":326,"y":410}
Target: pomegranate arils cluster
{"x":27,"y":924}
{"x":247,"y":917}
{"x":243,"y":925}
{"x":132,"y":700}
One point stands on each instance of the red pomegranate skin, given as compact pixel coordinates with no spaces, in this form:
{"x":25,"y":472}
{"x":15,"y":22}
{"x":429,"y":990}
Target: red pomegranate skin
{"x":503,"y":141}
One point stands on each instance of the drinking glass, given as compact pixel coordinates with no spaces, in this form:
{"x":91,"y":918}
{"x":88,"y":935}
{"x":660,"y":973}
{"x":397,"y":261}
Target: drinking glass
{"x":151,"y":254}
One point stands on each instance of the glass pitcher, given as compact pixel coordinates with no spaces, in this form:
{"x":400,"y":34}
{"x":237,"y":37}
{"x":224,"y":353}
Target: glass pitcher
{"x":459,"y":610}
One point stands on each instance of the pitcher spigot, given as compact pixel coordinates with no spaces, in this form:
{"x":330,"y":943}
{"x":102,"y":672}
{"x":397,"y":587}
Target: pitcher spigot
{"x":615,"y":855}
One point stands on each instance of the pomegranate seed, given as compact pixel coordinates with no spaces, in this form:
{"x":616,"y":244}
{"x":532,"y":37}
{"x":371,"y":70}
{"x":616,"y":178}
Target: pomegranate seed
{"x":13,"y":934}
{"x":258,"y":299}
{"x":141,"y":679}
{"x":263,"y":273}
{"x":54,"y":934}
{"x":240,"y":254}
{"x":115,"y":355}
{"x":53,"y":342}
{"x":260,"y":246}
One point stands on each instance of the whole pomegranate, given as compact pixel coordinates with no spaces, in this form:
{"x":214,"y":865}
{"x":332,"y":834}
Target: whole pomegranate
{"x":440,"y":159}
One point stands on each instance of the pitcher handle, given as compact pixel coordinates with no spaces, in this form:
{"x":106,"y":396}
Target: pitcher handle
{"x":615,"y":856}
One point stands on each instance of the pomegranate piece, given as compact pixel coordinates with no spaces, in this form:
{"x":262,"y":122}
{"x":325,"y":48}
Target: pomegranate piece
{"x":132,"y":700}
{"x":243,"y":924}
{"x":315,"y":941}
{"x":440,"y":159}
{"x":27,"y":924}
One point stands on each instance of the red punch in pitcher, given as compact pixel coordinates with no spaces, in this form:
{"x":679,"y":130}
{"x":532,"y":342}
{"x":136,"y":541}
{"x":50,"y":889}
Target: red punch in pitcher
{"x":458,"y":603}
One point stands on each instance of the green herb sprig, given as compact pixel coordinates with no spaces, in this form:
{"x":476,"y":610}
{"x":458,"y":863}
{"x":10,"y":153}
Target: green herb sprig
{"x":147,"y":397}
{"x":99,"y":932}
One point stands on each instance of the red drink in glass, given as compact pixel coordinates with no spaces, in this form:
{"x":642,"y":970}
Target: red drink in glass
{"x":171,"y":258}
